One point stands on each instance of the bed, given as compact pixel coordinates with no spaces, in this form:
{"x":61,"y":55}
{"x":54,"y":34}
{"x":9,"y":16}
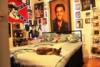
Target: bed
{"x":70,"y":56}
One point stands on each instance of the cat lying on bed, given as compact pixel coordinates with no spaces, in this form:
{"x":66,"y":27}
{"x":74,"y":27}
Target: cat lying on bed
{"x":48,"y":51}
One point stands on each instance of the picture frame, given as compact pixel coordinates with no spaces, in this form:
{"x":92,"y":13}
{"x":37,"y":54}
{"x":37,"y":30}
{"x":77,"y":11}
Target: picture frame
{"x":77,"y":14}
{"x":77,"y":6}
{"x":76,"y":0}
{"x":44,"y":21}
{"x":96,"y":31}
{"x":96,"y":24}
{"x":79,"y":23}
{"x":86,"y":4}
{"x":39,"y":10}
{"x":28,"y":2}
{"x":87,"y":20}
{"x":87,"y":14}
{"x":66,"y":16}
{"x":96,"y":40}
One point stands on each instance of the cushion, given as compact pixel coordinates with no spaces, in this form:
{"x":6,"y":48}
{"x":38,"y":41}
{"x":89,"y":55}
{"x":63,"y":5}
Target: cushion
{"x":48,"y":37}
{"x":62,"y":38}
{"x":72,"y":38}
{"x":56,"y":38}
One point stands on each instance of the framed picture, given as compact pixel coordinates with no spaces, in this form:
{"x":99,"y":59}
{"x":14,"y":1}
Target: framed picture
{"x":86,"y":4}
{"x":96,"y":24}
{"x":44,"y":21}
{"x":79,"y":23}
{"x":96,"y":32}
{"x":77,"y":6}
{"x":96,"y":40}
{"x":87,"y":14}
{"x":76,"y":1}
{"x":77,"y":14}
{"x":28,"y":2}
{"x":39,"y":10}
{"x":87,"y":20}
{"x":60,"y":16}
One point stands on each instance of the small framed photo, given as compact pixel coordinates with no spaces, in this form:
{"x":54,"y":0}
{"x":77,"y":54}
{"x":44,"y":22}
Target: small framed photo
{"x":96,"y":24}
{"x":44,"y":21}
{"x":77,"y":6}
{"x":28,"y":2}
{"x":95,"y":17}
{"x":77,"y":14}
{"x":96,"y":40}
{"x":96,"y":32}
{"x":79,"y":23}
{"x":87,"y":14}
{"x":39,"y":10}
{"x":76,"y":0}
{"x":87,"y":20}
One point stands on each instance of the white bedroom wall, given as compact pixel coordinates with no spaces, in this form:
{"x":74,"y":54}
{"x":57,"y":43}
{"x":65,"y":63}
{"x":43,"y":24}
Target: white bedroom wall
{"x":87,"y":31}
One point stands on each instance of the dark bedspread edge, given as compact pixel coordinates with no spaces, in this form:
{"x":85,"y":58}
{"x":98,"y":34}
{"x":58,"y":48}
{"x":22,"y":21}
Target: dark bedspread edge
{"x":76,"y":60}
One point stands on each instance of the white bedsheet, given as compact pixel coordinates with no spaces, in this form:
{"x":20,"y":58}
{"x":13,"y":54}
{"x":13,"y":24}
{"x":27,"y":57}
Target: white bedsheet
{"x":29,"y":57}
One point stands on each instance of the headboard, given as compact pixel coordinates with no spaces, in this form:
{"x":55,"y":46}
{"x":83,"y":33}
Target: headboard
{"x":79,"y":32}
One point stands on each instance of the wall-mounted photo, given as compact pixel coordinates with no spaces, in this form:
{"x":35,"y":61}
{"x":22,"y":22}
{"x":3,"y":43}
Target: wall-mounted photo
{"x":87,"y":20}
{"x":96,"y":31}
{"x":96,"y":40}
{"x":39,"y":10}
{"x":86,"y":4}
{"x":76,"y":0}
{"x":77,"y":14}
{"x":79,"y":23}
{"x":77,"y":6}
{"x":44,"y":21}
{"x":60,"y":16}
{"x":28,"y":2}
{"x":96,"y":24}
{"x":87,"y":14}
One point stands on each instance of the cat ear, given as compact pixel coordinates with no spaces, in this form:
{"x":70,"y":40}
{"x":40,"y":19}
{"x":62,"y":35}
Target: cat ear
{"x":60,"y":48}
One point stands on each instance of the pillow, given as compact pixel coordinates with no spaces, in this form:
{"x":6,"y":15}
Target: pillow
{"x":62,"y":38}
{"x":72,"y":38}
{"x":46,"y":36}
{"x":52,"y":36}
{"x":56,"y":38}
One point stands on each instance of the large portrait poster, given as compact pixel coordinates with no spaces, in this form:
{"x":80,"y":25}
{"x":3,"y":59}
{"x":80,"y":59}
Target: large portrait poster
{"x":60,"y":16}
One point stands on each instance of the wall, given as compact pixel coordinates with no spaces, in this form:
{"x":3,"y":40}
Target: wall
{"x":46,"y":2}
{"x":87,"y":31}
{"x":4,"y":42}
{"x":22,"y":27}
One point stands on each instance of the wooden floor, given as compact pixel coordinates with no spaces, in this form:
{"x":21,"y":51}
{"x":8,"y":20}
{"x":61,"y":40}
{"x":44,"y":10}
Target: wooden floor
{"x":94,"y":62}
